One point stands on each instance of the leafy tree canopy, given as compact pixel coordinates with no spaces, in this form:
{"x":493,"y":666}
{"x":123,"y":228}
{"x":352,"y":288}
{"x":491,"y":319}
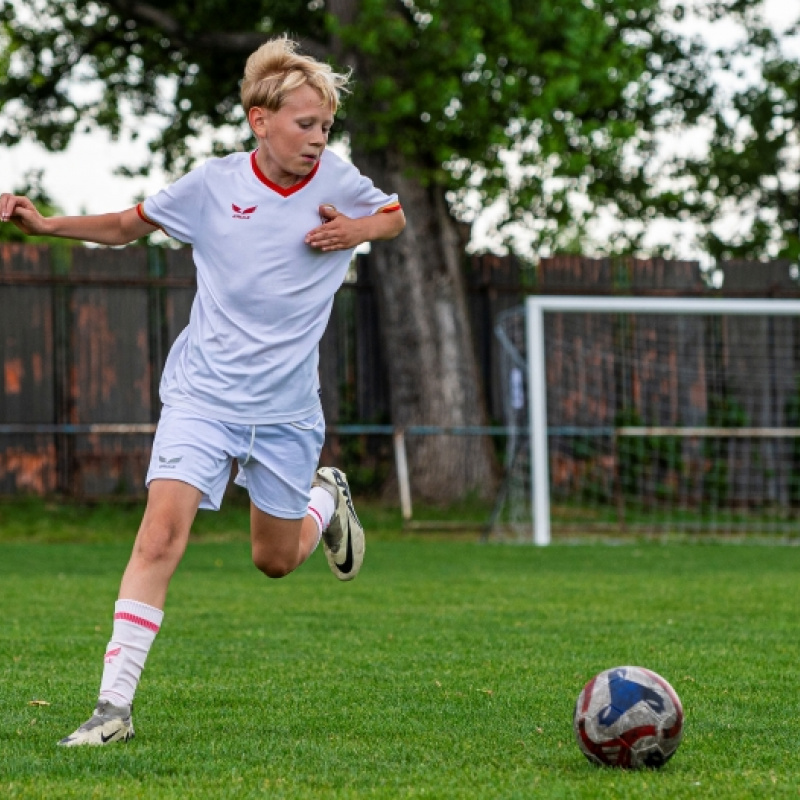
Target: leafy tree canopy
{"x":752,"y":166}
{"x":553,"y":106}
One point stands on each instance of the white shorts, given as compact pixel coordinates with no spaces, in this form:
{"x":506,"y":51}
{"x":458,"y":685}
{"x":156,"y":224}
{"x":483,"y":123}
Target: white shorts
{"x":276,"y":462}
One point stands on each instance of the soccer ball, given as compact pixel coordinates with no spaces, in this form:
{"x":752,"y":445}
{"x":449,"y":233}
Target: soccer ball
{"x":628,"y":717}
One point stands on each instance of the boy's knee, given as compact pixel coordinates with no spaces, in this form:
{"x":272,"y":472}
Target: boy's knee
{"x":158,"y":544}
{"x":271,"y":566}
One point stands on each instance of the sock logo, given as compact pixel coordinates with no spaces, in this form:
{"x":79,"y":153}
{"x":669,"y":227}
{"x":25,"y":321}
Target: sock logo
{"x":112,"y":654}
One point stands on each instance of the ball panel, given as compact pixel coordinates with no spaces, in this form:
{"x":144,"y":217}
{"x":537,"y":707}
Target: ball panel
{"x":677,"y":727}
{"x":628,"y":717}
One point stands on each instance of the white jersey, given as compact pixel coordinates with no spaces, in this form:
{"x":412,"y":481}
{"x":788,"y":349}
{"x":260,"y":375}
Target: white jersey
{"x":249,"y":354}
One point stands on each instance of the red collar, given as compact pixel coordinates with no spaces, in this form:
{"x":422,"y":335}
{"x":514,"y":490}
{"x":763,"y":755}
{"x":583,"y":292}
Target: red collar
{"x":283,"y":191}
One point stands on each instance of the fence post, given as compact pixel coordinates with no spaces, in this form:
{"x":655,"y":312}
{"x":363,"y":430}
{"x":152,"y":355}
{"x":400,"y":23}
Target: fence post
{"x":63,"y":406}
{"x":402,"y":472}
{"x":157,"y":332}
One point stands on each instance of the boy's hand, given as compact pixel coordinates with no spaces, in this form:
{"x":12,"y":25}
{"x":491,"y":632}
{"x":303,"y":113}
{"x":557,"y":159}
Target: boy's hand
{"x":21,"y":212}
{"x":337,"y":232}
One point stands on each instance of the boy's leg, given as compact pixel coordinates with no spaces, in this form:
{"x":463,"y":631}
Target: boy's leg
{"x":280,"y":545}
{"x":159,"y":546}
{"x":161,"y":541}
{"x":286,"y":519}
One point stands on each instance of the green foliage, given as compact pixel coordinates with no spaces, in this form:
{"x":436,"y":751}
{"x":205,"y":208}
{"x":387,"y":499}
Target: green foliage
{"x":367,"y":460}
{"x":537,"y":103}
{"x":181,"y":61}
{"x":643,"y":459}
{"x":750,"y":169}
{"x":723,"y":412}
{"x":449,"y":89}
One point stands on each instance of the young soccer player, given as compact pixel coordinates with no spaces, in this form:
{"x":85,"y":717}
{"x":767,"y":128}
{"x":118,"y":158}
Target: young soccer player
{"x":241,"y":380}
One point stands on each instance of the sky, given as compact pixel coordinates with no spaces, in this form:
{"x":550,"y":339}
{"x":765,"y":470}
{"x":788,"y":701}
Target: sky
{"x":81,"y":179}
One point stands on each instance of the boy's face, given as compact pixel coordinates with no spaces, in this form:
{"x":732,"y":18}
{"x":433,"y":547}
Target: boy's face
{"x":291,"y":140}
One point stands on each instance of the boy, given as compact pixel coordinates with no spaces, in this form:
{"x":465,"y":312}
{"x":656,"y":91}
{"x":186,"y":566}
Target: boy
{"x":241,"y":380}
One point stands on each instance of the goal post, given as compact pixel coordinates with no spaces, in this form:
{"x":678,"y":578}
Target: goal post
{"x":536,"y":310}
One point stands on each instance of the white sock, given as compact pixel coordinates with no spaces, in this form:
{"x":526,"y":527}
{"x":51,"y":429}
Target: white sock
{"x":135,"y":627}
{"x":321,"y":507}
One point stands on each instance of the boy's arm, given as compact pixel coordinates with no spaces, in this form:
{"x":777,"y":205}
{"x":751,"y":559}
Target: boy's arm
{"x":112,"y":229}
{"x":339,"y":232}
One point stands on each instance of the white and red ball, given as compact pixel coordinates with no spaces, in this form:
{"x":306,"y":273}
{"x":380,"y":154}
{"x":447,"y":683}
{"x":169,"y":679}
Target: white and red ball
{"x":628,"y":717}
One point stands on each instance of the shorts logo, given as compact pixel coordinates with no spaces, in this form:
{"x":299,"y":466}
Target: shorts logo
{"x":242,"y":213}
{"x":169,"y":463}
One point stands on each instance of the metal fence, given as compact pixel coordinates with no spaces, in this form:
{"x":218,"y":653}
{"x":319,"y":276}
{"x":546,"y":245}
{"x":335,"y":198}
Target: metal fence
{"x":83,"y":336}
{"x":84,"y":333}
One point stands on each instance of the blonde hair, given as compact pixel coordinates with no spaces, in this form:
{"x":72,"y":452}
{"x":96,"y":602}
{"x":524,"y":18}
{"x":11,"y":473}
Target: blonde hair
{"x":275,"y":70}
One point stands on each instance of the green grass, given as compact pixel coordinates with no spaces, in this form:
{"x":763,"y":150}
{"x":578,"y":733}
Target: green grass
{"x":447,"y":670}
{"x":32,"y":519}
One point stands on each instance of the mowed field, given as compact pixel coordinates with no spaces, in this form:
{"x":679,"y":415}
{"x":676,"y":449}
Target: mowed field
{"x":448,"y":669}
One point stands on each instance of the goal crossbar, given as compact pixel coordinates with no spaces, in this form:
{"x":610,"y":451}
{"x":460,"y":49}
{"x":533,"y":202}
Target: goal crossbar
{"x":535,"y":309}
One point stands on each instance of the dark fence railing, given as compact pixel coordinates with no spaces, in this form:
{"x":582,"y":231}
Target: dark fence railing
{"x":84,"y":333}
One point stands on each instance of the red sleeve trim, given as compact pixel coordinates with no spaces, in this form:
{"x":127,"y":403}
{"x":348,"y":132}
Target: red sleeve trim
{"x":388,"y":209}
{"x":145,"y":218}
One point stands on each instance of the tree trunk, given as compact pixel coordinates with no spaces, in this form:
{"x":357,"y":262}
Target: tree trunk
{"x":424,"y":319}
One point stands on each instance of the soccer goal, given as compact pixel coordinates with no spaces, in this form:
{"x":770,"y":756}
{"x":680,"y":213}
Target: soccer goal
{"x":650,"y":416}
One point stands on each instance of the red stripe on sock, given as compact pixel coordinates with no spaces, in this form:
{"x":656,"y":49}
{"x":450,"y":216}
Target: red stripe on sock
{"x":145,"y":623}
{"x":318,"y":516}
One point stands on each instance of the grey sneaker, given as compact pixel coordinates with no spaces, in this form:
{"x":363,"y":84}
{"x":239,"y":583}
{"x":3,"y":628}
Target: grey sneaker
{"x":343,"y":541}
{"x":109,"y":723}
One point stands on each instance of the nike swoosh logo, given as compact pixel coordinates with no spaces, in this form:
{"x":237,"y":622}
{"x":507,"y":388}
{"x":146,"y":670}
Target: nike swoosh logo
{"x":346,"y":492}
{"x":108,"y":738}
{"x":347,"y":564}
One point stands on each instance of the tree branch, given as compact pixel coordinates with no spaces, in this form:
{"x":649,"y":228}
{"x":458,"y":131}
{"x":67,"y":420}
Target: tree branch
{"x":144,"y":12}
{"x":244,"y":42}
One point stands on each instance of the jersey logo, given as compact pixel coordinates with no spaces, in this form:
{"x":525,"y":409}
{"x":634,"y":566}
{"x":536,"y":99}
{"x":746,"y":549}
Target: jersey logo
{"x":242,"y":213}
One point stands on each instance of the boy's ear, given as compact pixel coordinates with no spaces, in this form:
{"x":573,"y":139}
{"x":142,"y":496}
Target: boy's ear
{"x":257,"y":117}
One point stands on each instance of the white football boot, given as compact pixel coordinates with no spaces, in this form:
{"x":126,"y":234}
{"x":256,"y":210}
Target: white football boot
{"x":343,"y":541}
{"x":109,"y":723}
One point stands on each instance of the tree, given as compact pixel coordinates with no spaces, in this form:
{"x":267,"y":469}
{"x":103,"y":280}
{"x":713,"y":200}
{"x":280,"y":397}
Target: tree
{"x":737,"y":185}
{"x":551,"y":105}
{"x":752,"y":169}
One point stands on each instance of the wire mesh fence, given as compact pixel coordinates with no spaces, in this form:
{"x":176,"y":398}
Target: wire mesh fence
{"x":662,"y":424}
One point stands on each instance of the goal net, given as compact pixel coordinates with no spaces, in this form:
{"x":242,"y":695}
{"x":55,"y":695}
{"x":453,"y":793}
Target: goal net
{"x":650,"y":416}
